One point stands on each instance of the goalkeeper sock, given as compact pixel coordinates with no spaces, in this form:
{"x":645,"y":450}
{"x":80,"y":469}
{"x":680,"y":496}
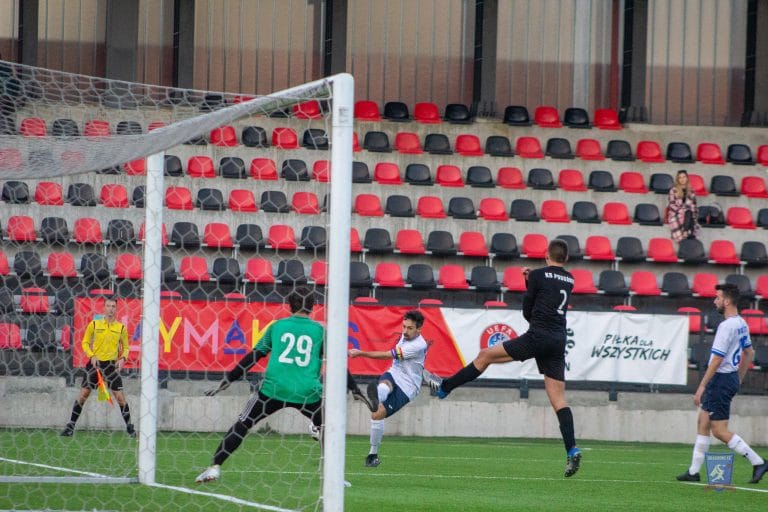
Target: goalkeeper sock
{"x":700,"y":447}
{"x":565,"y":417}
{"x":126,"y":412}
{"x":466,"y":374}
{"x":230,"y":443}
{"x":377,"y":434}
{"x":741,"y":447}
{"x":76,"y":410}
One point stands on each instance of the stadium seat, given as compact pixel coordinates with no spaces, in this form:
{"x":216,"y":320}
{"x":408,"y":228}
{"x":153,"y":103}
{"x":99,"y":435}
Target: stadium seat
{"x":225,"y":271}
{"x":359,"y":275}
{"x":15,"y":192}
{"x":27,"y":265}
{"x":452,"y":277}
{"x":97,"y":128}
{"x":513,"y":279}
{"x":675,"y":284}
{"x":399,"y":206}
{"x":744,"y":284}
{"x":4,"y":267}
{"x":94,"y":267}
{"x":649,"y":151}
{"x":723,"y":185}
{"x":120,"y":232}
{"x":377,"y":142}
{"x":224,"y":136}
{"x":694,"y":318}
{"x":632,"y":182}
{"x":54,"y":231}
{"x":541,"y":179}
{"x":440,"y":243}
{"x":534,"y":246}
{"x":585,"y":212}
{"x":696,"y":182}
{"x":281,"y":237}
{"x":259,"y":270}
{"x":598,"y":248}
{"x":34,"y":300}
{"x":739,"y":217}
{"x":427,"y":113}
{"x":472,"y":244}
{"x":647,"y":214}
{"x":274,"y":201}
{"x":558,"y":148}
{"x":114,"y":195}
{"x":309,"y":109}
{"x":575,"y":117}
{"x":81,"y":194}
{"x":315,"y":138}
{"x":61,"y":265}
{"x":167,"y":270}
{"x":210,"y":199}
{"x":723,"y":252}
{"x":356,"y":143}
{"x":420,"y":276}
{"x":396,"y":111}
{"x":547,"y":117}
{"x":305,"y":203}
{"x":408,"y":143}
{"x":691,"y":251}
{"x":661,"y":250}
{"x":377,"y":241}
{"x":619,"y":150}
{"x":457,"y":113}
{"x":313,"y":238}
{"x":493,"y":208}
{"x":172,"y":166}
{"x":571,"y":180}
{"x":483,"y":278}
{"x":409,"y":241}
{"x":388,"y":275}
{"x":761,"y":287}
{"x":756,"y":321}
{"x":589,"y":149}
{"x":661,"y":183}
{"x":33,"y":127}
{"x":430,"y":207}
{"x":510,"y":178}
{"x":387,"y":173}
{"x":254,"y":137}
{"x":523,"y":210}
{"x":468,"y":145}
{"x":368,"y":205}
{"x":762,"y":218}
{"x":217,"y":235}
{"x":739,"y":154}
{"x":607,"y":119}
{"x":366,"y":110}
{"x":704,"y":284}
{"x":49,"y":193}
{"x":178,"y":198}
{"x":185,"y":235}
{"x":680,"y":153}
{"x":516,"y":115}
{"x":193,"y":268}
{"x":65,"y":128}
{"x":498,"y":145}
{"x":643,"y":282}
{"x":285,"y":138}
{"x":583,"y":281}
{"x":504,"y":246}
{"x":294,"y":169}
{"x":418,"y":174}
{"x":20,"y":228}
{"x":528,"y":147}
{"x":616,"y":213}
{"x":461,"y":208}
{"x":753,"y":254}
{"x":754,"y":186}
{"x":242,"y":200}
{"x":601,"y":181}
{"x":318,"y":272}
{"x":321,"y":171}
{"x":629,"y":249}
{"x":762,"y":154}
{"x":360,"y":173}
{"x":480,"y":176}
{"x":449,"y":176}
{"x":437,"y":144}
{"x":574,"y":248}
{"x":625,"y":308}
{"x":128,"y":266}
{"x":554,"y":210}
{"x":709,"y":153}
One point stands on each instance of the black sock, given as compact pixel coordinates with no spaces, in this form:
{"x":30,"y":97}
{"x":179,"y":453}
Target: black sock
{"x":126,"y":414}
{"x":461,"y":377}
{"x":231,"y":441}
{"x":565,"y":417}
{"x":76,"y":410}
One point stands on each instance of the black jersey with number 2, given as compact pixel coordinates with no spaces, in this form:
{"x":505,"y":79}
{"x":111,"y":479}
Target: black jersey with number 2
{"x":546,"y":300}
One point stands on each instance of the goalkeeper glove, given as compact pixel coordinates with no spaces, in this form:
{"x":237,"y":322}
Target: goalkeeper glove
{"x":224,"y":384}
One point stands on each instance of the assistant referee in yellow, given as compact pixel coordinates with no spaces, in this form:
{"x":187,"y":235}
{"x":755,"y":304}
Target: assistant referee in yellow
{"x":106,"y":345}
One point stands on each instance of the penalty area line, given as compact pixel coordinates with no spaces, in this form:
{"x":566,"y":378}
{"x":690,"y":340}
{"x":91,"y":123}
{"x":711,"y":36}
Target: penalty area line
{"x":223,"y":497}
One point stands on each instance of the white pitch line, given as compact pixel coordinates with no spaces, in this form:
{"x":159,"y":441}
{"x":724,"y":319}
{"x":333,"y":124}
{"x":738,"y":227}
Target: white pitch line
{"x":55,"y":468}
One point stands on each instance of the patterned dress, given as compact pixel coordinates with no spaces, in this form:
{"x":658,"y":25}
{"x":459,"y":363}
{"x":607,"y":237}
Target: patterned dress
{"x":676,"y":215}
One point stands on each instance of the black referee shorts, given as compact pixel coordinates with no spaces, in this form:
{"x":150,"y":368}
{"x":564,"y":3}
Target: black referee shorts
{"x":548,"y":352}
{"x":108,"y":372}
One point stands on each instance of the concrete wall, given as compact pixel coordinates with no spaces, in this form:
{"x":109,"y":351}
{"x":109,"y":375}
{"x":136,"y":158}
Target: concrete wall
{"x":469,"y":412}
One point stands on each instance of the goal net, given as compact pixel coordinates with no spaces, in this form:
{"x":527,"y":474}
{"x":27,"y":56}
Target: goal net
{"x":194,"y":215}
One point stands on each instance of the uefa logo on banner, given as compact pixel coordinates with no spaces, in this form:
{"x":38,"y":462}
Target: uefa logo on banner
{"x":719,"y":470}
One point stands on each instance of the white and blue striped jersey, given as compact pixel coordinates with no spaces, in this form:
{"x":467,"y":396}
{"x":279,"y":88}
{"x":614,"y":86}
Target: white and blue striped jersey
{"x":731,"y":338}
{"x":408,"y":364}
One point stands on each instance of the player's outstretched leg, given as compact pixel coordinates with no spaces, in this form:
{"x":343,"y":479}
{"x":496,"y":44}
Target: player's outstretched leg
{"x":212,"y":473}
{"x":372,"y":400}
{"x":573,"y":462}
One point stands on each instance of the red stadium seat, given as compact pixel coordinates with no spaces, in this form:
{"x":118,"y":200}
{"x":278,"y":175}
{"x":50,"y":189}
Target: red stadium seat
{"x":154,"y":125}
{"x":49,"y":193}
{"x":194,"y":268}
{"x":356,"y":143}
{"x":528,"y":147}
{"x":704,"y":284}
{"x":756,"y":321}
{"x":649,"y":151}
{"x":201,"y":167}
{"x":33,"y":127}
{"x":128,"y":266}
{"x":21,"y":228}
{"x":61,"y":264}
{"x":754,"y":186}
{"x":554,"y":210}
{"x":598,"y":247}
{"x":307,"y":110}
{"x":571,"y":180}
{"x":723,"y":252}
{"x":305,"y":203}
{"x":408,"y":143}
{"x":427,"y":113}
{"x":216,"y":234}
{"x":534,"y":246}
{"x":430,"y":207}
{"x":493,"y":208}
{"x":242,"y":200}
{"x":259,"y":270}
{"x":697,"y":184}
{"x":643,"y":282}
{"x":409,"y":241}
{"x":547,"y":117}
{"x":224,"y":136}
{"x":694,"y":318}
{"x":354,"y":241}
{"x":114,"y":195}
{"x":739,"y":217}
{"x":452,"y":277}
{"x":468,"y":145}
{"x":136,"y":167}
{"x":449,"y":176}
{"x":510,"y":178}
{"x":583,"y":281}
{"x":368,"y":205}
{"x":472,"y":243}
{"x":321,"y":171}
{"x":632,"y":182}
{"x":367,"y":111}
{"x":4,"y":267}
{"x":607,"y":119}
{"x":387,"y":173}
{"x":761,"y":286}
{"x":616,"y":213}
{"x":281,"y":237}
{"x":285,"y":138}
{"x":34,"y":300}
{"x":178,"y":198}
{"x":661,"y":250}
{"x":513,"y":279}
{"x":589,"y":149}
{"x":762,"y":154}
{"x":388,"y":275}
{"x":318,"y":272}
{"x":87,"y":230}
{"x":10,"y":336}
{"x":263,"y":169}
{"x":97,"y":128}
{"x":709,"y":153}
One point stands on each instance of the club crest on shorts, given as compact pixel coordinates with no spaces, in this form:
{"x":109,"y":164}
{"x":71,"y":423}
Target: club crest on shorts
{"x":495,"y":334}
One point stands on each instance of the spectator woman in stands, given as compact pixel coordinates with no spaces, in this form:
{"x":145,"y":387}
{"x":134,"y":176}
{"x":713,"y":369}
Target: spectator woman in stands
{"x":682,"y":212}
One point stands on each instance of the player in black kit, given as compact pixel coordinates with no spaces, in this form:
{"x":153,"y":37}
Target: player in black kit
{"x":544,"y":306}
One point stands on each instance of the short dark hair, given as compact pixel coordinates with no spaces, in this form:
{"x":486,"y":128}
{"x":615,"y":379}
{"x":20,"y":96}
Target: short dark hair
{"x":301,"y":300}
{"x":415,"y":316}
{"x":558,"y":250}
{"x":730,"y":292}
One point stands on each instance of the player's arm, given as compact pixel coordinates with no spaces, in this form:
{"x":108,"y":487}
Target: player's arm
{"x":124,"y":348}
{"x":371,"y":354}
{"x":746,"y":360}
{"x":245,"y":363}
{"x":87,"y":340}
{"x":529,"y":298}
{"x":714,"y":364}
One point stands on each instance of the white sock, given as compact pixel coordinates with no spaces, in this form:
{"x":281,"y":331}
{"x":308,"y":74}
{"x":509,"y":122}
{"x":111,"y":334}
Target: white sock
{"x":377,"y":434}
{"x":383,"y":391}
{"x":741,"y":447}
{"x":700,"y":447}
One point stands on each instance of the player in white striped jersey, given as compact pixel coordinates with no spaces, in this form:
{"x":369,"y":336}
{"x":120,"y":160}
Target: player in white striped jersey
{"x":729,"y":361}
{"x":398,"y":385}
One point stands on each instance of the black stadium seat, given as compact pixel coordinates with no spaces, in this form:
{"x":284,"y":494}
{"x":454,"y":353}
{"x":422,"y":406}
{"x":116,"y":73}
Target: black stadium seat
{"x":420,"y":276}
{"x":612,"y":282}
{"x":457,"y":113}
{"x":484,"y":279}
{"x":558,"y":147}
{"x":274,"y":201}
{"x":399,"y":206}
{"x":661,"y":183}
{"x":249,"y":237}
{"x":396,"y":111}
{"x":523,"y":210}
{"x":54,"y":230}
{"x":294,"y":169}
{"x":313,"y":238}
{"x":440,"y":243}
{"x":315,"y":138}
{"x":517,"y":115}
{"x":254,"y":137}
{"x":675,"y":284}
{"x":377,"y":142}
{"x":601,"y":181}
{"x":461,"y":208}
{"x":754,"y":254}
{"x":541,"y":179}
{"x":574,"y":248}
{"x":619,"y":150}
{"x":185,"y":235}
{"x":504,"y":246}
{"x":647,"y":214}
{"x":377,"y":241}
{"x":679,"y":152}
{"x":723,"y":185}
{"x":418,"y":174}
{"x":232,"y":167}
{"x":739,"y":154}
{"x":173,"y":167}
{"x":629,"y":249}
{"x":585,"y":211}
{"x":498,"y":145}
{"x":576,"y":117}
{"x":15,"y":192}
{"x":691,"y":250}
{"x":437,"y":144}
{"x":480,"y":176}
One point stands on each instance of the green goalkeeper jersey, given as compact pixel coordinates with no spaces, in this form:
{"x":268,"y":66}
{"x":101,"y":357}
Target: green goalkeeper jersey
{"x":295,"y":345}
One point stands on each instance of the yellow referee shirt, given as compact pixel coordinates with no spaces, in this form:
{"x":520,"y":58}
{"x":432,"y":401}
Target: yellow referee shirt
{"x":105,"y":340}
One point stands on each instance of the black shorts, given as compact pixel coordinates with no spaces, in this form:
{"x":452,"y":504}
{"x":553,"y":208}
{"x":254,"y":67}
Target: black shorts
{"x":718,"y":395}
{"x":108,"y":372}
{"x":548,"y":352}
{"x":260,"y":406}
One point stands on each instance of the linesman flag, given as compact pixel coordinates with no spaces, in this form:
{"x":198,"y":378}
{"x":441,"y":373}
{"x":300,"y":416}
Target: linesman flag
{"x":103,"y":395}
